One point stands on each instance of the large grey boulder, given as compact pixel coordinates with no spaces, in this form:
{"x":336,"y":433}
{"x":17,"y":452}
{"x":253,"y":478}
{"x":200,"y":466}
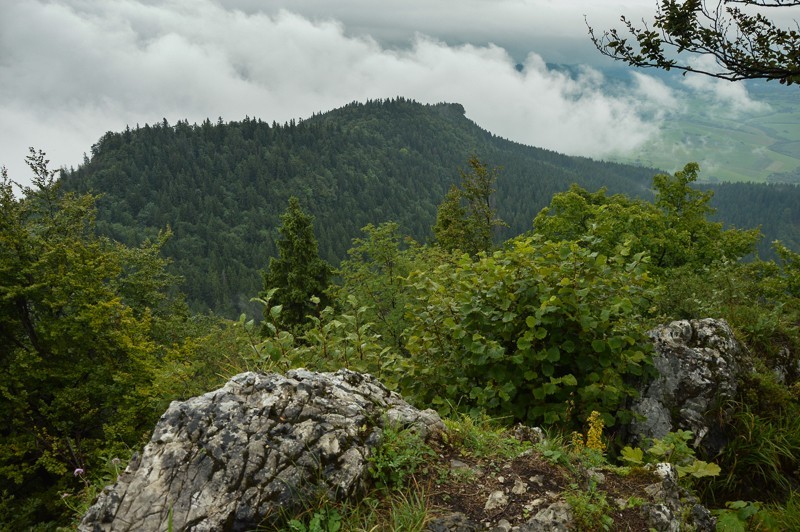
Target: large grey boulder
{"x":262,"y":444}
{"x":699,"y":363}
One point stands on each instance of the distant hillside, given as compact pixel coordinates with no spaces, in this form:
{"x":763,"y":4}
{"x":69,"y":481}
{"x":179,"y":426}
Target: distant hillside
{"x":222,"y":186}
{"x":774,"y":207}
{"x":752,"y":136}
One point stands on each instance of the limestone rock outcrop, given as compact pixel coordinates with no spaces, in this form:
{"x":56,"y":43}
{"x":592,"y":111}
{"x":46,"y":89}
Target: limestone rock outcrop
{"x":699,"y":363}
{"x":259,"y":446}
{"x":674,"y":508}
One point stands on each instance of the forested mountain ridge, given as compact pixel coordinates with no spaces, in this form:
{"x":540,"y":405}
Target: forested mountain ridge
{"x":221,"y":187}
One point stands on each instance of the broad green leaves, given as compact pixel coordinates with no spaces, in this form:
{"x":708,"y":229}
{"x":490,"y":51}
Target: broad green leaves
{"x":524,"y":331}
{"x":672,"y":448}
{"x":674,"y":230}
{"x":699,"y":469}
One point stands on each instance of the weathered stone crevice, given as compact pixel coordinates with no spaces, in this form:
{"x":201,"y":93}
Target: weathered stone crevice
{"x":699,"y":364}
{"x":254,"y":449}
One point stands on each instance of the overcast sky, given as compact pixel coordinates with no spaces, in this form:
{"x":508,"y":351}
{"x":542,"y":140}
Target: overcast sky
{"x":70,"y":70}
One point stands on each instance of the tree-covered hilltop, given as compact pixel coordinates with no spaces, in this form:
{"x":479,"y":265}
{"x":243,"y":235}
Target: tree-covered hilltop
{"x":221,"y":187}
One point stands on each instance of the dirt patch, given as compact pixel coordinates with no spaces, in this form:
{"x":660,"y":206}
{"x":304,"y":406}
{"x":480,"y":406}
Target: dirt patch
{"x":529,"y":484}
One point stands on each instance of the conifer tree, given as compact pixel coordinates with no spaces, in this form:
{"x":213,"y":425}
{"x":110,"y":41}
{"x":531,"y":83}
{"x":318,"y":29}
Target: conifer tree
{"x":466,"y":218}
{"x":298,"y":273}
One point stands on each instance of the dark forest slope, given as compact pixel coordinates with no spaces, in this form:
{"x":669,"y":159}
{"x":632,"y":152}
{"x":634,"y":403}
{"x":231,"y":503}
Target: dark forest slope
{"x":221,"y":187}
{"x":774,"y":207}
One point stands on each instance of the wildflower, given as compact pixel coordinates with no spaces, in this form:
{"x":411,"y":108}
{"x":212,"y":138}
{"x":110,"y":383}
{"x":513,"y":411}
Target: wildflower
{"x":594,"y":436}
{"x":577,"y":442}
{"x":78,"y":472}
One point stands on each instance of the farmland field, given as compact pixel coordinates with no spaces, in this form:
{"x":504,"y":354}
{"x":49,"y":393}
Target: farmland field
{"x":753,"y":137}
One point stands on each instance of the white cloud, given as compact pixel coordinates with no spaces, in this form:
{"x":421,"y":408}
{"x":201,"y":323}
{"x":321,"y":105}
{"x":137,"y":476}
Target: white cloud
{"x":70,"y":70}
{"x":730,"y":98}
{"x":656,"y":96}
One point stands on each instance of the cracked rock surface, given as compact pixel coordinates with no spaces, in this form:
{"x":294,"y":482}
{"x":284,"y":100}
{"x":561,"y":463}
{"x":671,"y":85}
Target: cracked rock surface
{"x":698,"y":363}
{"x":235,"y":457}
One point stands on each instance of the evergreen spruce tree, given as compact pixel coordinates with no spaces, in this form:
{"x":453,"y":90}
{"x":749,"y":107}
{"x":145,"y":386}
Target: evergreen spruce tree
{"x":466,"y":219}
{"x":298,"y":273}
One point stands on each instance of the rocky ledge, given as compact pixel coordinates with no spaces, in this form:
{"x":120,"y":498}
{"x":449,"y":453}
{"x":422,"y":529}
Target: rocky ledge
{"x":699,"y":364}
{"x":253,"y":450}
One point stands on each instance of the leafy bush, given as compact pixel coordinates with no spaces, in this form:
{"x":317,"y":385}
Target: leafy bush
{"x":590,"y":508}
{"x":540,"y":331}
{"x":673,"y":448}
{"x":374,"y":273}
{"x":331,"y":341}
{"x":79,"y":319}
{"x":399,"y":456}
{"x":674,"y":230}
{"x":736,"y":515}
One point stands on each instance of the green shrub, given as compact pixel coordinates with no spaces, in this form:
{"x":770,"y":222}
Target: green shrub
{"x":539,"y":332}
{"x":590,"y":508}
{"x":736,"y":516}
{"x":80,"y":320}
{"x":399,"y":456}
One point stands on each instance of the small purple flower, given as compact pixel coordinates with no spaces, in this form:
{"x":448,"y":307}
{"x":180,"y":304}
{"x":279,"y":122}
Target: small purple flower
{"x":78,"y":472}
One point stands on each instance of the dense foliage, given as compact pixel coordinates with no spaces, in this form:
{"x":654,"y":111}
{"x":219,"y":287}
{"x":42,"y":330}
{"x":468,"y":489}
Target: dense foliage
{"x":76,"y":318}
{"x":374,"y":274}
{"x":94,"y":344}
{"x":540,"y":332}
{"x":221,"y":187}
{"x":551,"y":326}
{"x":674,"y":230}
{"x":544,"y":328}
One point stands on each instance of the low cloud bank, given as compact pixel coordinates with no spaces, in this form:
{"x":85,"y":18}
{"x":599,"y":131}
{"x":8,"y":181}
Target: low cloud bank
{"x":72,"y":70}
